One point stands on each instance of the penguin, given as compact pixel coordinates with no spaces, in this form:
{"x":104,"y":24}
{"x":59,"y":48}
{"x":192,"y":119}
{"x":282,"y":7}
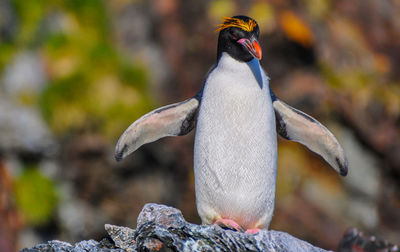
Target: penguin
{"x":237,"y":119}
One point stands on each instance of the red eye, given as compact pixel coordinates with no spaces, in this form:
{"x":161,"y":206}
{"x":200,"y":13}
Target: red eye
{"x":234,"y":37}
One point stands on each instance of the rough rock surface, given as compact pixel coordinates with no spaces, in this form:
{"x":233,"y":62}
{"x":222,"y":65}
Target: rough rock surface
{"x":162,"y":228}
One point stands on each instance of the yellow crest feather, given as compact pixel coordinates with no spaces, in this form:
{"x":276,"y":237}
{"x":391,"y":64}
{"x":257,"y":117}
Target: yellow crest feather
{"x":236,"y":22}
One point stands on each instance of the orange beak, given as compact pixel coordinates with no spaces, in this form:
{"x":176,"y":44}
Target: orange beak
{"x":253,"y":47}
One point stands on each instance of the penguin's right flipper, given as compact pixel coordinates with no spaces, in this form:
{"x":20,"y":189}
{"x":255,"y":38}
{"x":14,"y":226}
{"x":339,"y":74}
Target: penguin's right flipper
{"x":294,"y":125}
{"x":172,"y":120}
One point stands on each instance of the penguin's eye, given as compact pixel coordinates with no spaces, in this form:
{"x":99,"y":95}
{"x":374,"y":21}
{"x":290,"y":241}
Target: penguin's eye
{"x":236,"y":33}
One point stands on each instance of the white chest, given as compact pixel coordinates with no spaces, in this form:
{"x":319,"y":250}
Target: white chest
{"x":235,"y":144}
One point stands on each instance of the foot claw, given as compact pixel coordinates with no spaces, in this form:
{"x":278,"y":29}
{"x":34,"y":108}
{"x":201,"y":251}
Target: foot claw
{"x":252,"y":231}
{"x":230,"y":224}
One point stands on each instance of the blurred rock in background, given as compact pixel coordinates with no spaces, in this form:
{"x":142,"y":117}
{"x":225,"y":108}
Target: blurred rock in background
{"x":74,"y":75}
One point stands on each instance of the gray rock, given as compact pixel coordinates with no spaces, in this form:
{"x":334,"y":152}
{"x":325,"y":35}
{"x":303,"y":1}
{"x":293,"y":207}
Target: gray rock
{"x":161,"y":214}
{"x":22,"y":129}
{"x":123,"y":237}
{"x":86,"y":245}
{"x":50,"y":247}
{"x":83,"y":246}
{"x":163,"y":228}
{"x":24,"y":74}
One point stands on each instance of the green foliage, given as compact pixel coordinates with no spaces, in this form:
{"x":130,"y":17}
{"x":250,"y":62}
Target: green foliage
{"x":6,"y":50}
{"x":30,"y":14}
{"x":92,"y":85}
{"x":105,"y":104}
{"x":90,"y":13}
{"x":35,"y":196}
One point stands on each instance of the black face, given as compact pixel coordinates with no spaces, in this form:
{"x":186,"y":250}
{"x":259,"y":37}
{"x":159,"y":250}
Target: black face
{"x":231,"y":39}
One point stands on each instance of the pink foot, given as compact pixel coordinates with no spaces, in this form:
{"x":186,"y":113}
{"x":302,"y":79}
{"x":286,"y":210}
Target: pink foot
{"x":227,"y":223}
{"x":252,"y":231}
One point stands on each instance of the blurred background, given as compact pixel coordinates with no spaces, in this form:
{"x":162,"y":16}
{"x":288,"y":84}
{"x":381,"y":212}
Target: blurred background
{"x":74,"y":74}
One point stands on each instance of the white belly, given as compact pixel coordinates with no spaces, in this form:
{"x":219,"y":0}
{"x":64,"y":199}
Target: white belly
{"x":235,"y":150}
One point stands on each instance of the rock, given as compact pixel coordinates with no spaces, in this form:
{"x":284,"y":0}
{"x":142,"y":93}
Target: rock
{"x":354,"y":240}
{"x":83,"y":246}
{"x":163,"y":228}
{"x":50,"y":246}
{"x":164,"y":215}
{"x":24,"y":74}
{"x":123,"y":237}
{"x":22,"y":129}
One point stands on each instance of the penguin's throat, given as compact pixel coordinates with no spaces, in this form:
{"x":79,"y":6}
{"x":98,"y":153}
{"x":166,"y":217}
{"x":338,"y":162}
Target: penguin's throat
{"x":230,"y":64}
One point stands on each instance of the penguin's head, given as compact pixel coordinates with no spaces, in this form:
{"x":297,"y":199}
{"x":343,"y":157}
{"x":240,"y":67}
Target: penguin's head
{"x":238,"y":37}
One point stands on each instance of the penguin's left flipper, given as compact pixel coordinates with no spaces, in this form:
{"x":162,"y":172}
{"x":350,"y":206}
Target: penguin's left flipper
{"x":294,"y":125}
{"x":172,"y":120}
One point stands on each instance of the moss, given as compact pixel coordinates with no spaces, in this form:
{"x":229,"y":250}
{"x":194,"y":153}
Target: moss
{"x":35,"y":196}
